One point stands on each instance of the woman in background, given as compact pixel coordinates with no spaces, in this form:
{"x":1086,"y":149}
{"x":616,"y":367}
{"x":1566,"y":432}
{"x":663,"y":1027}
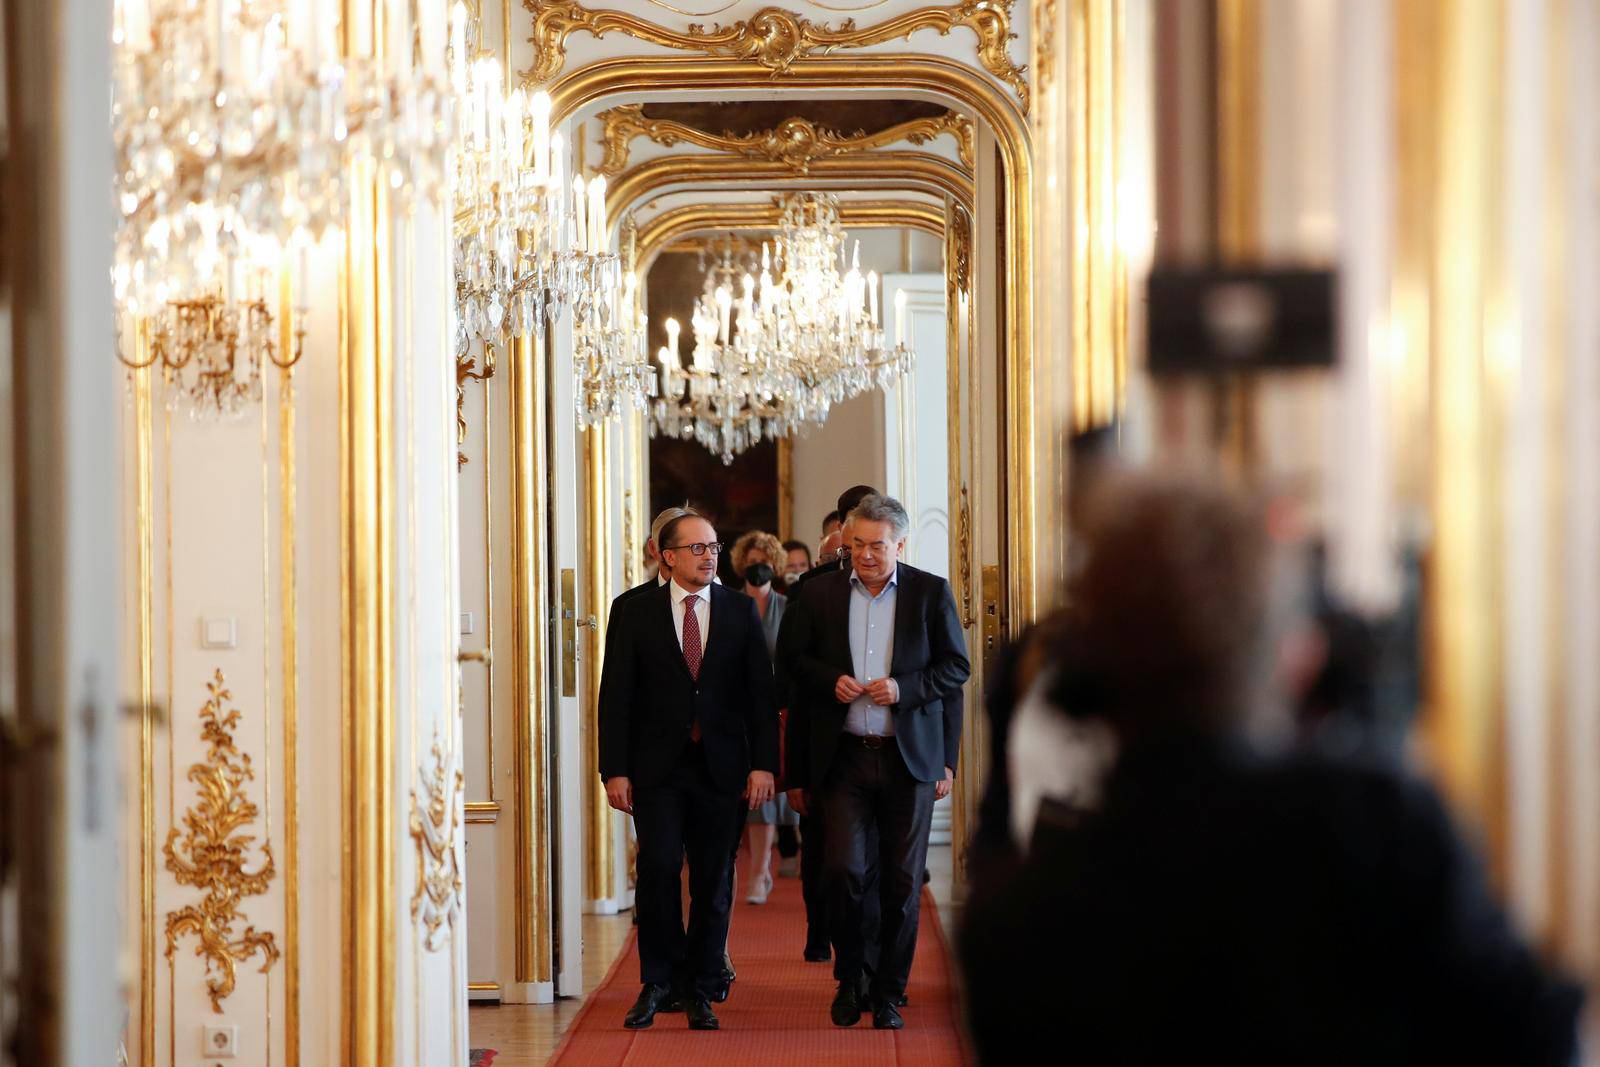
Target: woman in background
{"x":756,"y":556}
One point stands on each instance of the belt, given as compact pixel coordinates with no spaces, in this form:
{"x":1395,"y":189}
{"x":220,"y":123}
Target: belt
{"x":870,"y":741}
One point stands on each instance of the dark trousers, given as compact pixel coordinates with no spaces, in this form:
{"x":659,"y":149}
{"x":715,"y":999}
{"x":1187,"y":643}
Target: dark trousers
{"x":813,"y":889}
{"x":686,"y":813}
{"x":870,"y":793}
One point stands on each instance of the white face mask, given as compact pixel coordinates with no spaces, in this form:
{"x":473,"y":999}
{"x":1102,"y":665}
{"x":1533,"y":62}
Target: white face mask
{"x":791,"y":578}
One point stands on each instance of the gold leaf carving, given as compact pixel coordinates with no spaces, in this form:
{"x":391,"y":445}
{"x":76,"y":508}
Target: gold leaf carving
{"x":775,"y":38}
{"x":467,"y":370}
{"x":795,"y":142}
{"x":209,"y":853}
{"x":1044,"y":48}
{"x":435,"y":820}
{"x":964,"y":555}
{"x":961,"y":229}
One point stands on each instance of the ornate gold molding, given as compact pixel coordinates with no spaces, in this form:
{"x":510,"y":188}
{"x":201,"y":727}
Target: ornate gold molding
{"x":1044,"y":44}
{"x":209,"y":853}
{"x":776,"y":39}
{"x":435,"y":820}
{"x":961,"y":235}
{"x":900,"y":171}
{"x":467,"y":370}
{"x":964,"y":555}
{"x":795,"y":142}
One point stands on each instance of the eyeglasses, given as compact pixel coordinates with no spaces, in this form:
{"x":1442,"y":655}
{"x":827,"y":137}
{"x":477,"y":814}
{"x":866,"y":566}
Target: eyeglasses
{"x":699,"y":548}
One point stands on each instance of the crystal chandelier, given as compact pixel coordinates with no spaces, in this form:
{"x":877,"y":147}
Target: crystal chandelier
{"x":715,"y":400}
{"x":527,"y":245}
{"x":235,"y":123}
{"x":773,"y":360}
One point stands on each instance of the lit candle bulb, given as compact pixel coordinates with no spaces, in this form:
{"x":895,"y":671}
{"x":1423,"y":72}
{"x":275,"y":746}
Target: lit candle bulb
{"x":725,"y":303}
{"x":599,"y":240}
{"x":539,"y":108}
{"x":872,"y":296}
{"x":458,"y":48}
{"x":579,"y":215}
{"x":899,"y":317}
{"x":672,"y":337}
{"x":515,"y":107}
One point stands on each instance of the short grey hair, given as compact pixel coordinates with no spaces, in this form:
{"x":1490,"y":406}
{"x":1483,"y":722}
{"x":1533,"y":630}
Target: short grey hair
{"x":881,"y":508}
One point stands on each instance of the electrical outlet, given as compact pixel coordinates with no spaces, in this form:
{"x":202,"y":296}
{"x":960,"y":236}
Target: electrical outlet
{"x":468,"y":623}
{"x":222,"y":1042}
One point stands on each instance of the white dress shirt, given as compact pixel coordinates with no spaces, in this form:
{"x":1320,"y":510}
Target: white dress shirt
{"x":1050,"y":755}
{"x":702,"y":612}
{"x":871,"y":652}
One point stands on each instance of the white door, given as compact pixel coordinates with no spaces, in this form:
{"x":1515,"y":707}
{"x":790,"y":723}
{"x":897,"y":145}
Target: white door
{"x":917,"y":439}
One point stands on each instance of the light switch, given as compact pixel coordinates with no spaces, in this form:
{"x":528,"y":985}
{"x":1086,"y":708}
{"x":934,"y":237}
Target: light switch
{"x":219,"y":632}
{"x":468,"y":623}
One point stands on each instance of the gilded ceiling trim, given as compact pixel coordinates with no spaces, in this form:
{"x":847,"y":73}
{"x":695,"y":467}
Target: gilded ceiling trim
{"x":795,"y":142}
{"x":775,"y":38}
{"x":913,"y":171}
{"x":209,"y":853}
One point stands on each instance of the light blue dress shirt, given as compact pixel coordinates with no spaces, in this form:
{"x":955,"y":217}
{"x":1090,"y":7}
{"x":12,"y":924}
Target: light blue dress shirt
{"x":871,"y":647}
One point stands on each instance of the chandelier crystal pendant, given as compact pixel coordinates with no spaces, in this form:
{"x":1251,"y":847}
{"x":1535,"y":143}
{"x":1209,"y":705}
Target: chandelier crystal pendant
{"x":235,"y":124}
{"x":528,"y":243}
{"x":772,"y":354}
{"x":715,"y":401}
{"x":510,"y":229}
{"x":610,"y":365}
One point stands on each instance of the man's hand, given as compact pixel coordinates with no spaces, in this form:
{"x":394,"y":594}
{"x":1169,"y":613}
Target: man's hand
{"x":619,"y":793}
{"x":759,"y":789}
{"x":884,"y":691}
{"x":942,"y":787}
{"x":799,"y":801}
{"x":847,"y":689}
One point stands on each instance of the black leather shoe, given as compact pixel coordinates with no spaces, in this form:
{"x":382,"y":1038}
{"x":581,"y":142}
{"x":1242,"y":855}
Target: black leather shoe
{"x":723,"y":989}
{"x":886,"y":1016}
{"x":674,"y":1002}
{"x":728,"y":973}
{"x":701,"y":1017}
{"x":652,"y":998}
{"x":846,"y":1010}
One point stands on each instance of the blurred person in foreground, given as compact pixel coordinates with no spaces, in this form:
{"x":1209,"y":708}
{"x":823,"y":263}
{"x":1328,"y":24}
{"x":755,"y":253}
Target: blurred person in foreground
{"x":1201,"y":900}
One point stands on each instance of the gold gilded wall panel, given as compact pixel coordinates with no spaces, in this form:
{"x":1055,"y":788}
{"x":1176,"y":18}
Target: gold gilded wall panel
{"x":212,"y":852}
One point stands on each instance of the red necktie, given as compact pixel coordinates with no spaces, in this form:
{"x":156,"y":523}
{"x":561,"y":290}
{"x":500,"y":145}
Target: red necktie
{"x":692,"y":651}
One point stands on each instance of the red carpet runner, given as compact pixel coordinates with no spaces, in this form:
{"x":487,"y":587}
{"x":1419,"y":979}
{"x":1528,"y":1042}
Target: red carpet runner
{"x":777,"y":1015}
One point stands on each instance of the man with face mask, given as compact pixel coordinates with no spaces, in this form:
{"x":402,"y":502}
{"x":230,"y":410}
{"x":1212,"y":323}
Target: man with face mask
{"x":798,"y":562}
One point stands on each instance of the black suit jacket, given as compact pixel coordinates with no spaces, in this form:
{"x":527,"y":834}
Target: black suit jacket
{"x":832,"y":566}
{"x":929,"y":663}
{"x":648,"y":701}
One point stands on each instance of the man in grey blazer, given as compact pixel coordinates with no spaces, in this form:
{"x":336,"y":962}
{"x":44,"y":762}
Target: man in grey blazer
{"x":874,"y":655}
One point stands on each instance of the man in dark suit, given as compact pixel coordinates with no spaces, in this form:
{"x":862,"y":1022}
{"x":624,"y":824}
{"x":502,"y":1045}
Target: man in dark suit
{"x":878,"y":652}
{"x":688,"y":726}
